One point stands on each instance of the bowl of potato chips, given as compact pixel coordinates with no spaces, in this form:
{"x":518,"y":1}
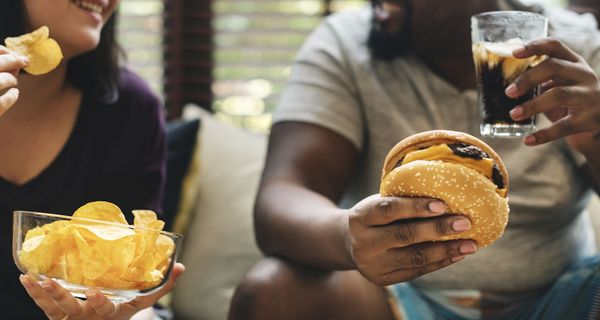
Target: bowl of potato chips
{"x":96,"y":248}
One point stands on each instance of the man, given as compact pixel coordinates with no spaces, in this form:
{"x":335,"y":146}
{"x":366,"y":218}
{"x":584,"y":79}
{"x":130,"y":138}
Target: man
{"x":362,"y":82}
{"x":585,"y":6}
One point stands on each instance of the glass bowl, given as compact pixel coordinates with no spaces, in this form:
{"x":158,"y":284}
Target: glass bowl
{"x":121,"y":261}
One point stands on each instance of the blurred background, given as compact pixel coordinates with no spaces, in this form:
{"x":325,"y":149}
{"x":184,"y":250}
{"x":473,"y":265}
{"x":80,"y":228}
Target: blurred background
{"x":228,"y":56}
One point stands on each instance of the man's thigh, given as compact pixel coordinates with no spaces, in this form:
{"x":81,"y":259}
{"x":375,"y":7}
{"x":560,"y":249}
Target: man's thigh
{"x":575,"y":295}
{"x":275,"y":289}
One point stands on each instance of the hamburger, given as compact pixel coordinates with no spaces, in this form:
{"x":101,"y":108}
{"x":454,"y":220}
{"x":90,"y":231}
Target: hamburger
{"x":457,"y":168}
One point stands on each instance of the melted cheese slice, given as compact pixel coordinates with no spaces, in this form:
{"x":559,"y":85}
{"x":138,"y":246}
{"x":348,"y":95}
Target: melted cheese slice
{"x":442,"y":152}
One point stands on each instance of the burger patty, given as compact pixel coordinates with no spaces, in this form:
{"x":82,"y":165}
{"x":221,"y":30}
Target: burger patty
{"x":469,"y":151}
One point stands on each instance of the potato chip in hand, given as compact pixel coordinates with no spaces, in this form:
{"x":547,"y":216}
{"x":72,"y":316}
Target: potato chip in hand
{"x":43,"y":52}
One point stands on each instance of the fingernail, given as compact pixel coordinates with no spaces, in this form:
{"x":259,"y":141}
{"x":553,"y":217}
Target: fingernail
{"x":25,"y":281}
{"x":457,"y":258}
{"x":47,"y":285}
{"x":529,"y":140}
{"x":92,"y":294}
{"x":25,"y":60}
{"x":511,"y":90}
{"x":461,"y":225}
{"x":437,"y":207}
{"x":468,"y":248}
{"x":516,"y":112}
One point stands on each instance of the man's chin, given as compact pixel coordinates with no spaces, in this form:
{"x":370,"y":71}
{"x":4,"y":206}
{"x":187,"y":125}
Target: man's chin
{"x":387,"y":47}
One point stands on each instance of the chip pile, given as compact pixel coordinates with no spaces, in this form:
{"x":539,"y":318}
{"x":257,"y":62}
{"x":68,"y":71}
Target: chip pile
{"x":100,"y":255}
{"x":43,"y":52}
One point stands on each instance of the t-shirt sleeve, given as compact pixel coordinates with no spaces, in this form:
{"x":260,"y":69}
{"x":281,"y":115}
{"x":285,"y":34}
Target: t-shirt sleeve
{"x":579,"y":32}
{"x":321,"y":89}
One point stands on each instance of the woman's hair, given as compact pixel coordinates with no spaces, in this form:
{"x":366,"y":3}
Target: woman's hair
{"x":96,"y":73}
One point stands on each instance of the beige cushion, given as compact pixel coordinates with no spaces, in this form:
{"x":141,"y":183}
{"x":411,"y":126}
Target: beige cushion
{"x":219,"y":246}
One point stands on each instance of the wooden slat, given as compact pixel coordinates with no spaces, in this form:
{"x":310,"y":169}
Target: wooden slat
{"x":188,"y":52}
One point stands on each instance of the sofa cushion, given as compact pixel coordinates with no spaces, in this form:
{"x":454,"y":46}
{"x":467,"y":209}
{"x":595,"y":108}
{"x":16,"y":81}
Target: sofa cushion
{"x":216,"y":218}
{"x":181,"y":141}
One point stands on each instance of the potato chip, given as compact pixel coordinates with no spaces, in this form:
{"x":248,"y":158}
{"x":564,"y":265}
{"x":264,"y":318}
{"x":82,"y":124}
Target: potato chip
{"x":101,"y":255}
{"x":41,"y":252}
{"x":43,"y":52}
{"x":100,"y":210}
{"x":102,"y":232}
{"x":37,"y":231}
{"x":164,"y":247}
{"x":74,"y":270}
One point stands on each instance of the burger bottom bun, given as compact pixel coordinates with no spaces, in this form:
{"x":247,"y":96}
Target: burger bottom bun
{"x":464,"y":190}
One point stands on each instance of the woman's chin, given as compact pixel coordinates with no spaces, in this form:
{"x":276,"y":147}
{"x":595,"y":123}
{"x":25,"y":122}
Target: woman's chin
{"x":72,"y":51}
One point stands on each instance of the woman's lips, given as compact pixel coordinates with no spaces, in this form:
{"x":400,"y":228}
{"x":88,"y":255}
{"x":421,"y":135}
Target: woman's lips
{"x":92,"y":6}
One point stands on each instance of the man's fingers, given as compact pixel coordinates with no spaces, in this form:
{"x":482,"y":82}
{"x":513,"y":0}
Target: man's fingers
{"x":41,"y":298}
{"x":559,"y":96}
{"x":402,"y":275}
{"x":377,"y":210}
{"x":404,"y":234}
{"x":547,"y":46}
{"x":562,"y":71}
{"x":561,"y":128}
{"x":419,"y":256}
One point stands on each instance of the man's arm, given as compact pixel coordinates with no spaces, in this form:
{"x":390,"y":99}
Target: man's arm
{"x":387,"y":239}
{"x":296,"y":216}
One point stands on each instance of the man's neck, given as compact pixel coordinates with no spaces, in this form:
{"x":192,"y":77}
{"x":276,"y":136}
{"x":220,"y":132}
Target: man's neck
{"x":455,"y":65}
{"x":459,"y":71}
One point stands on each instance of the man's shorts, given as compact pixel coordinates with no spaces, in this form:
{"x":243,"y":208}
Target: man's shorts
{"x":574,"y":295}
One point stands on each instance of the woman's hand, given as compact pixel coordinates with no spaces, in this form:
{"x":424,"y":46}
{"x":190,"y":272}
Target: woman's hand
{"x":10,"y":64}
{"x":390,"y":238}
{"x":570,"y":96}
{"x":58,"y":304}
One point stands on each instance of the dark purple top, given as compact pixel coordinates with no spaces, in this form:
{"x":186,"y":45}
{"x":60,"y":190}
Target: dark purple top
{"x":115,"y":153}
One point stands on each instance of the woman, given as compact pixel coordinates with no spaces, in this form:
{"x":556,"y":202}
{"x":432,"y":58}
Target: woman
{"x":86,"y":131}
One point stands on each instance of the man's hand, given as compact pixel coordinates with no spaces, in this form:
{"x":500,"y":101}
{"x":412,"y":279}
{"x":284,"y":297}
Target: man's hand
{"x":390,"y":238}
{"x":57,"y":303}
{"x":570,"y":96}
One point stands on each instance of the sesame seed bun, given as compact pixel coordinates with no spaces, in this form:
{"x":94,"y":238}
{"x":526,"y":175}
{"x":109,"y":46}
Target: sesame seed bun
{"x":466,"y":191}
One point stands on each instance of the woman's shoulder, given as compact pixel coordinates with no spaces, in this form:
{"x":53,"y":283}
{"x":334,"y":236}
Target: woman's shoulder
{"x":134,"y":91}
{"x":135,"y":101}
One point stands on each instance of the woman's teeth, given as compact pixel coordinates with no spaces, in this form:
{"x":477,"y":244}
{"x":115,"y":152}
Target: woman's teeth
{"x":89,"y":6}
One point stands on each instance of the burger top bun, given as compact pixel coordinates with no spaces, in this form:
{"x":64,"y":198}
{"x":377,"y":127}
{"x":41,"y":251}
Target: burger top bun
{"x":423,"y":165}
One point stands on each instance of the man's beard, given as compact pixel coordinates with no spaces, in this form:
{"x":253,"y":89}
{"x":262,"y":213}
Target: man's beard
{"x":387,"y":46}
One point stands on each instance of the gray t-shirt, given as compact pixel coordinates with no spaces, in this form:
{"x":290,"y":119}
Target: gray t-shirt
{"x":374,"y":104}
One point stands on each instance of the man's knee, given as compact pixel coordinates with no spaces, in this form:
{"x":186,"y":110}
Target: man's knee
{"x":275,"y":289}
{"x":264,"y":290}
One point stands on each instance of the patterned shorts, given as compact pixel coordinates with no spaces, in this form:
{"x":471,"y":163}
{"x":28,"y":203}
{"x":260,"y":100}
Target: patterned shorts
{"x":574,"y":295}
